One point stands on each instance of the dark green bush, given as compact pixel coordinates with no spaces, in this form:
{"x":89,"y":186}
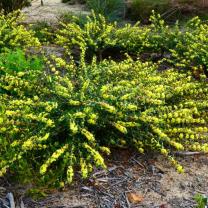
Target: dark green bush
{"x":70,"y":17}
{"x":111,"y":9}
{"x":142,"y":9}
{"x":43,"y":31}
{"x":11,"y":5}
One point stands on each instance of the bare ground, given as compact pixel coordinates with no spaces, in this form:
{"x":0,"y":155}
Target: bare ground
{"x":131,"y":181}
{"x":50,"y":10}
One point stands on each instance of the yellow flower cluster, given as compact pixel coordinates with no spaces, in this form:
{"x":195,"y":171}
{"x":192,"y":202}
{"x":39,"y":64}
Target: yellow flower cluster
{"x":15,"y":35}
{"x":54,"y":157}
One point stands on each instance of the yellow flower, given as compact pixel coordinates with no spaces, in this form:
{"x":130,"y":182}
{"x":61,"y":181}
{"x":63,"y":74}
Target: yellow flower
{"x":109,"y":108}
{"x":88,"y":135}
{"x":164,"y":151}
{"x":105,"y":150}
{"x":141,"y":150}
{"x":43,"y":169}
{"x":36,"y":98}
{"x":131,"y":107}
{"x":121,"y":128}
{"x":74,"y":102}
{"x":70,"y":174}
{"x":73,"y":127}
{"x":180,"y":169}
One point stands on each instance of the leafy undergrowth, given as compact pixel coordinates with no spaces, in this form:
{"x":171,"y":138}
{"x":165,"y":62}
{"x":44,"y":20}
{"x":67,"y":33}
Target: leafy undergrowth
{"x":63,"y":116}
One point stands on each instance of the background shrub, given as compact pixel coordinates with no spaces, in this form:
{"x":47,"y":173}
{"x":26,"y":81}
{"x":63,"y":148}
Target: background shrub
{"x":111,"y":9}
{"x":184,"y":47}
{"x":70,"y":17}
{"x":142,"y":9}
{"x":43,"y":31}
{"x":14,"y":35}
{"x":91,"y":38}
{"x":11,"y":5}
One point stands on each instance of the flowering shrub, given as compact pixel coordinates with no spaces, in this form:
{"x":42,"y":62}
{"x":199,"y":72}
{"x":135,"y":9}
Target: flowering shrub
{"x":71,"y":117}
{"x":91,"y":38}
{"x":156,"y":37}
{"x":191,"y":50}
{"x":185,"y":47}
{"x":14,"y":35}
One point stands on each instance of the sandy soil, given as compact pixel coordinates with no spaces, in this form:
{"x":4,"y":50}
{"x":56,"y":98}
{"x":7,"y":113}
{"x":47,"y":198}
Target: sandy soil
{"x":150,"y":179}
{"x":50,"y":11}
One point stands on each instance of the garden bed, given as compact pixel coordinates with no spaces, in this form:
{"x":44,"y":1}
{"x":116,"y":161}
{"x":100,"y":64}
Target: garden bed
{"x":74,"y":93}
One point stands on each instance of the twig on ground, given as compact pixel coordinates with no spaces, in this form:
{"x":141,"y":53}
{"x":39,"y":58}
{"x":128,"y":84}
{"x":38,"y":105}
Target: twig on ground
{"x":22,"y":205}
{"x":189,"y":153}
{"x":127,"y":201}
{"x":201,"y":192}
{"x":105,"y":172}
{"x":10,"y":198}
{"x":141,"y":165}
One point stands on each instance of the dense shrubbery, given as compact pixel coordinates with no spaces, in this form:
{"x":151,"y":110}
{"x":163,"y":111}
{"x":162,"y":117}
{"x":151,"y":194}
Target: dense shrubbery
{"x":65,"y":117}
{"x":182,"y":48}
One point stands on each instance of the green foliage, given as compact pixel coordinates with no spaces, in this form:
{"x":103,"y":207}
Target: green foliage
{"x":111,"y":9}
{"x":185,"y":47}
{"x":202,"y":201}
{"x":191,"y":50}
{"x":43,"y":31}
{"x":70,"y":17}
{"x":16,"y":61}
{"x":156,"y":37}
{"x":36,"y":194}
